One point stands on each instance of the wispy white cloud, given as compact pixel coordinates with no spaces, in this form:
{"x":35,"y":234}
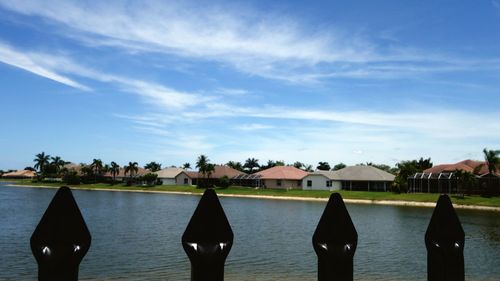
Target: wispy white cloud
{"x":267,"y":45}
{"x":40,"y":65}
{"x":50,"y":66}
{"x":253,"y":127}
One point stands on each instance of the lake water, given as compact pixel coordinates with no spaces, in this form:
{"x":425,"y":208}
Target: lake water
{"x":137,"y":236}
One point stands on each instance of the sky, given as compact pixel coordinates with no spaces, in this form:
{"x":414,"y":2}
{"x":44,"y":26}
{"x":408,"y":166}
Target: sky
{"x":337,"y":81}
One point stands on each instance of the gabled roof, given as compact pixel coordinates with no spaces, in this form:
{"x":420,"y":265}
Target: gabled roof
{"x":359,"y":173}
{"x":169,"y":173}
{"x":282,"y":173}
{"x":19,"y":174}
{"x":219,"y":171}
{"x":471,"y":166}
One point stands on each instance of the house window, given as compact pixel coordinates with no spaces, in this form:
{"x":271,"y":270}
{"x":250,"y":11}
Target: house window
{"x":309,"y":183}
{"x":278,"y":182}
{"x":185,"y":181}
{"x":328,"y":183}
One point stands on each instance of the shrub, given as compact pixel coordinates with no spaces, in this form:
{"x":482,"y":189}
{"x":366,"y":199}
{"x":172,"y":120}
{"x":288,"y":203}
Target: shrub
{"x":224,"y":182}
{"x":71,"y":177}
{"x":149,"y":178}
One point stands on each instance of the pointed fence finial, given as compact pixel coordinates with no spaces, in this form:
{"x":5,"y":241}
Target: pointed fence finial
{"x":61,"y":239}
{"x":335,"y":241}
{"x":444,"y":241}
{"x":208,"y":239}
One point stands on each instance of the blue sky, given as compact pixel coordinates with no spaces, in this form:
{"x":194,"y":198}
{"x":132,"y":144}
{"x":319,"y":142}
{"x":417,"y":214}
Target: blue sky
{"x":335,"y":81}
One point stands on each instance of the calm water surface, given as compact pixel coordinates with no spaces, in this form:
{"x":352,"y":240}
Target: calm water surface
{"x":137,"y":236}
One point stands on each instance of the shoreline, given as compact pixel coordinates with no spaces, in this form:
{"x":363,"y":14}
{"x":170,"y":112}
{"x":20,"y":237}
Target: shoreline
{"x":289,"y":198}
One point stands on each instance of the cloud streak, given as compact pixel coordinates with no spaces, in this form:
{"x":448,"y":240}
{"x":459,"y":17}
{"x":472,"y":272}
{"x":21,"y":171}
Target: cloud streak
{"x":36,"y":64}
{"x":266,"y":45}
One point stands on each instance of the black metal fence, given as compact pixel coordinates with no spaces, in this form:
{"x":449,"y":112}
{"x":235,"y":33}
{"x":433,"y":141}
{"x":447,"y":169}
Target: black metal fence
{"x":61,"y":240}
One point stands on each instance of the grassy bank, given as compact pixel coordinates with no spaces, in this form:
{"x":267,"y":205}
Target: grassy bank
{"x":362,"y":195}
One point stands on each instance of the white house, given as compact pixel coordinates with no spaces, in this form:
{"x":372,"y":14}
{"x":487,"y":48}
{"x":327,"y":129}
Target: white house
{"x":174,"y":176}
{"x":320,"y":180}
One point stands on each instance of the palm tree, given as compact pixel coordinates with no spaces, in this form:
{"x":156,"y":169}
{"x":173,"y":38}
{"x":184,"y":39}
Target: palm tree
{"x":186,"y":166}
{"x":308,"y":168}
{"x":492,"y":158}
{"x":235,"y":165}
{"x":324,"y":166}
{"x":465,"y":180}
{"x":41,"y":161}
{"x":298,"y":165}
{"x":201,"y":164}
{"x":114,"y":169}
{"x":58,"y":163}
{"x":251,"y":164}
{"x":132,"y":167}
{"x":153,"y":166}
{"x":210,"y":169}
{"x":97,"y":167}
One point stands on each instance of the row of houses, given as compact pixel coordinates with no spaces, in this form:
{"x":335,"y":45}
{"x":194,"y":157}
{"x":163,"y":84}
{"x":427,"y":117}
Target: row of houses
{"x":438,"y":179}
{"x":280,"y":177}
{"x":287,"y":177}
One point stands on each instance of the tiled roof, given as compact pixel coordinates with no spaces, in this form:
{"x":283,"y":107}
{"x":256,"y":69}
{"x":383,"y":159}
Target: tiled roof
{"x":358,"y":173}
{"x":282,"y":173}
{"x":476,"y":167}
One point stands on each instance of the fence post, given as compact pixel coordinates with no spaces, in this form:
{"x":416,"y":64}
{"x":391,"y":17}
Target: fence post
{"x":335,"y":241}
{"x":208,"y":239}
{"x":444,"y":241}
{"x":61,"y":239}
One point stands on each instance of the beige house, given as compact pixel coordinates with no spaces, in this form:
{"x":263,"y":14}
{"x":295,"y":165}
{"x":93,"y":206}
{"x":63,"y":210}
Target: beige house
{"x":362,"y":178}
{"x":174,"y":176}
{"x":284,"y":177}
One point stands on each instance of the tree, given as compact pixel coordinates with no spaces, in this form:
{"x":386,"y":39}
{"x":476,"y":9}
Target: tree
{"x":339,"y":166}
{"x":186,"y":166}
{"x":224,"y":182}
{"x":205,"y":168}
{"x":149,"y":178}
{"x":71,"y":177}
{"x":58,"y":163}
{"x":235,"y":165}
{"x":210,"y":169}
{"x":29,"y":168}
{"x":308,"y":168}
{"x":41,"y":161}
{"x":323,"y":166}
{"x":424,"y":164}
{"x":131,"y":169}
{"x":382,"y":167}
{"x":97,"y":167}
{"x":298,"y":165}
{"x":153,"y":166}
{"x":201,"y":164}
{"x":251,"y":164}
{"x":465,"y":181}
{"x":492,"y":158}
{"x":114,"y":169}
{"x":406,"y":169}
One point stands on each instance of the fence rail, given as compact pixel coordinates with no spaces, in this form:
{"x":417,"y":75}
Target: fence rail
{"x":61,"y":240}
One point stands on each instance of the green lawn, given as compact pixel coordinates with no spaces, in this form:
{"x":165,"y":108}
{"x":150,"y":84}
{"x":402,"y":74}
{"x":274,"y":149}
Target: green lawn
{"x":415,"y":197}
